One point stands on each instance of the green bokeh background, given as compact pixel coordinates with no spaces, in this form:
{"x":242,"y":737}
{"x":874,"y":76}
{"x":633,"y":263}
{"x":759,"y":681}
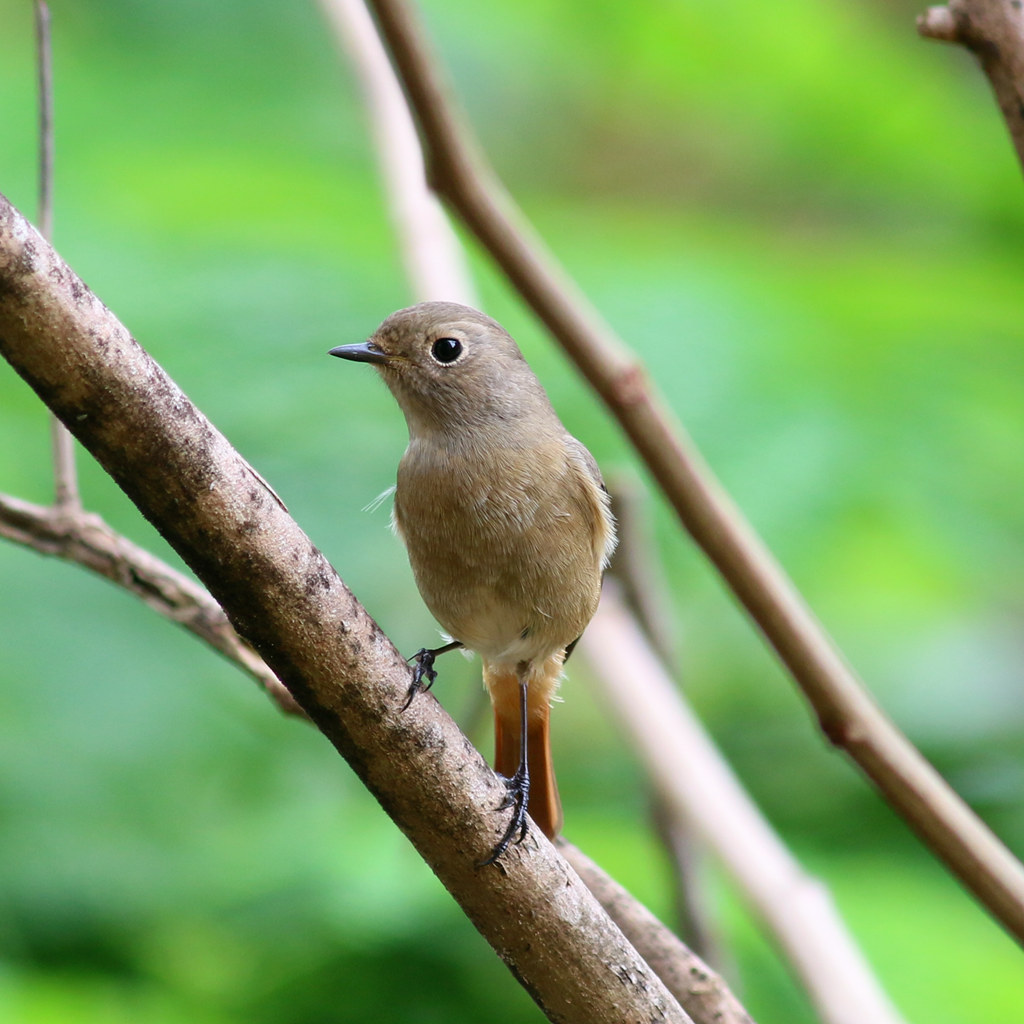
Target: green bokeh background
{"x":806,"y":221}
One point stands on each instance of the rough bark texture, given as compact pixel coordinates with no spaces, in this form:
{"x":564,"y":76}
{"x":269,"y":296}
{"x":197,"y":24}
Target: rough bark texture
{"x":284,"y":598}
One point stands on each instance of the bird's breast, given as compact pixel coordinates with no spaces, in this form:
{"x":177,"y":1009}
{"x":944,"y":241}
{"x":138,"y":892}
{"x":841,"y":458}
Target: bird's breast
{"x":501,"y":545}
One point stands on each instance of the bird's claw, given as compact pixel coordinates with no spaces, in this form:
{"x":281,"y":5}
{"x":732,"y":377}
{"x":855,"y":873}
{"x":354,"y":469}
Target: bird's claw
{"x":517,"y":795}
{"x":424,"y":669}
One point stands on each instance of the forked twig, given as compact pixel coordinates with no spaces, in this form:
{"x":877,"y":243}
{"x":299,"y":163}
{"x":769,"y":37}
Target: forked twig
{"x":65,"y":530}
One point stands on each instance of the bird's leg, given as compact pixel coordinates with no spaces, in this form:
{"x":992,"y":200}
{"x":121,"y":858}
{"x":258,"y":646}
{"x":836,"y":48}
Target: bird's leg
{"x":424,"y":669}
{"x":518,"y":787}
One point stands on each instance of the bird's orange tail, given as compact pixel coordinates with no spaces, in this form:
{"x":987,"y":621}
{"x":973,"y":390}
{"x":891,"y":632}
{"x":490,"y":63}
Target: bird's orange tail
{"x":544,"y":807}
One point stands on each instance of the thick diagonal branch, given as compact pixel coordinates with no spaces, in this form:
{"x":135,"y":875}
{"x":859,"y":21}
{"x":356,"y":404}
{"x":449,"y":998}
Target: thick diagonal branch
{"x":848,"y":715}
{"x":285,"y":599}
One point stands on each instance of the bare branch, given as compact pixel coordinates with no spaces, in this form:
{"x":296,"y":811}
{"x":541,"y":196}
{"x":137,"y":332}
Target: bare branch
{"x":847,"y":714}
{"x":65,"y":476}
{"x":694,"y":781}
{"x":703,"y":994}
{"x":646,"y":594}
{"x":993,"y":30}
{"x":644,"y":587}
{"x":697,"y":921}
{"x":87,"y":540}
{"x":433,"y":257}
{"x":44,"y":65}
{"x":285,"y":599}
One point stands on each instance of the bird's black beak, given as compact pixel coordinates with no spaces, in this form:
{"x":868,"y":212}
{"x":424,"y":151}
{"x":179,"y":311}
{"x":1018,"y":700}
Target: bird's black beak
{"x":364,"y":352}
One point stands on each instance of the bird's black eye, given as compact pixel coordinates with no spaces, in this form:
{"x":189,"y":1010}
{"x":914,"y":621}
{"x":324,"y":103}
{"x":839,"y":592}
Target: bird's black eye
{"x":446,"y":350}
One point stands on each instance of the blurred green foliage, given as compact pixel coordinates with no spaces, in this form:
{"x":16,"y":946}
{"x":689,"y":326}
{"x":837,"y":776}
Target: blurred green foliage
{"x":804,"y":219}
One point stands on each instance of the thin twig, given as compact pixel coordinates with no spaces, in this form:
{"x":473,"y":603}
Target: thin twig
{"x":432,"y":254}
{"x":993,"y":30}
{"x":697,"y":785}
{"x":646,"y":593}
{"x":695,"y":915}
{"x":65,"y":475}
{"x":645,"y":589}
{"x":847,"y":714}
{"x":65,"y":530}
{"x":86,"y":540}
{"x":44,"y":64}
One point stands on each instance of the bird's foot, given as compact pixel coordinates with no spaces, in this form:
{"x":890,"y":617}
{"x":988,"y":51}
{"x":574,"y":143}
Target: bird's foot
{"x":517,"y":797}
{"x":424,"y":669}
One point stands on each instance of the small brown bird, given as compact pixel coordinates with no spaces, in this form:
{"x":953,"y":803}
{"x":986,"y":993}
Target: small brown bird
{"x":506,"y":522}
